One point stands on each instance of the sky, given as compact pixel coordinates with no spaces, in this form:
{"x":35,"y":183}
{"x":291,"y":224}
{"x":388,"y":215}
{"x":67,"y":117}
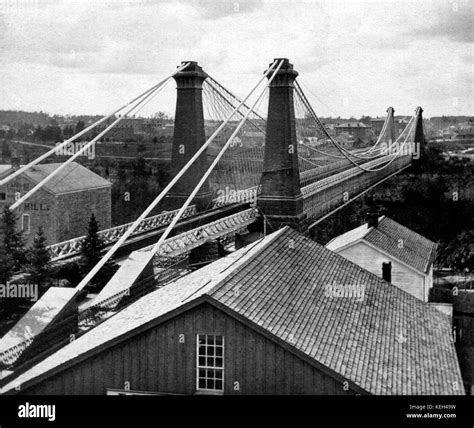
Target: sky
{"x":353,"y":57}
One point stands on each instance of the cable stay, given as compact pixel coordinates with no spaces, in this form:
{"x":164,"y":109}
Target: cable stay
{"x":85,"y":130}
{"x":172,"y":183}
{"x":343,"y":151}
{"x":86,"y":146}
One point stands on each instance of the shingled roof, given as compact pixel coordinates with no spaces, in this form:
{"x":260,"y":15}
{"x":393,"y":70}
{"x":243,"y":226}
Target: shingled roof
{"x":394,"y":239}
{"x":387,"y":342}
{"x":72,"y":178}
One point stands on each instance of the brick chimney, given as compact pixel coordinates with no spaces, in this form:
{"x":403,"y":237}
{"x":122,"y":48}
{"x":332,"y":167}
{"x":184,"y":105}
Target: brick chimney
{"x":372,"y":218}
{"x":387,"y":271}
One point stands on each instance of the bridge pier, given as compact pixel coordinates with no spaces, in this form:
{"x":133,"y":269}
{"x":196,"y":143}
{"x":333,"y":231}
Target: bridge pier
{"x":188,"y":138}
{"x":280,"y":197}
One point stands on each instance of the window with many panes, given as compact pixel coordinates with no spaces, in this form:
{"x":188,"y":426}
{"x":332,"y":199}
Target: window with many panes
{"x":210,"y":363}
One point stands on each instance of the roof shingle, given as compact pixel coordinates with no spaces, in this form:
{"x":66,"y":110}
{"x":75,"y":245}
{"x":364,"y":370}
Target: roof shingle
{"x":393,"y":238}
{"x":387,"y":342}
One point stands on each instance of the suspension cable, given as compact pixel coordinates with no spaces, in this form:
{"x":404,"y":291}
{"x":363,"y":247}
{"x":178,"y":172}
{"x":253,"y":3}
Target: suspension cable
{"x":323,"y":128}
{"x":315,"y":117}
{"x":147,"y":211}
{"x":86,"y":146}
{"x":157,"y":246}
{"x":85,"y":130}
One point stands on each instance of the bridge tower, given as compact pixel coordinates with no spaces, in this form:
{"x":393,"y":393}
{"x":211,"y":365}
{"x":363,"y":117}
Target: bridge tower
{"x":419,"y":134}
{"x":280,"y":196}
{"x":188,"y":137}
{"x":391,"y":125}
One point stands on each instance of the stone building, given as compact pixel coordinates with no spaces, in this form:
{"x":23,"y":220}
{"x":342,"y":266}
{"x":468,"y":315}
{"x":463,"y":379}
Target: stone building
{"x":63,"y":206}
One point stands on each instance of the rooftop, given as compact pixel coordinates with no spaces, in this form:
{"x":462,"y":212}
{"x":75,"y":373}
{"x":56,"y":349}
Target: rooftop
{"x":39,"y":316}
{"x":415,"y":251}
{"x":388,"y":342}
{"x":72,"y":178}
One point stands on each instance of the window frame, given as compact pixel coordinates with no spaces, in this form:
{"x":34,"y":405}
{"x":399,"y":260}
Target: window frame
{"x":206,"y":367}
{"x":23,"y":217}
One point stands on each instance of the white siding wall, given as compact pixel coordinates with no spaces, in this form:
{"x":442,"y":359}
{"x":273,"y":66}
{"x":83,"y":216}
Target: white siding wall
{"x":370,"y":259}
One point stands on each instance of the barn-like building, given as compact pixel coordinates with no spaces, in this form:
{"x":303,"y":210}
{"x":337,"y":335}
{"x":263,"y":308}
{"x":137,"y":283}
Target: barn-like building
{"x":283,"y":315}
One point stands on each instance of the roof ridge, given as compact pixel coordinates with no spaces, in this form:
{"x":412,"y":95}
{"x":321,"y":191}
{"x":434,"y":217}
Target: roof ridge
{"x":410,"y":230}
{"x":234,"y":271}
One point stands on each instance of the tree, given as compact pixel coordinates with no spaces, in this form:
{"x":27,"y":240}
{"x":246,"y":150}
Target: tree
{"x":6,"y":265}
{"x":457,"y":254}
{"x":13,"y":241}
{"x":68,"y":131}
{"x":80,"y":125}
{"x":161,"y":117}
{"x":6,"y":152}
{"x":92,"y":250}
{"x":39,"y":260}
{"x":38,"y":134}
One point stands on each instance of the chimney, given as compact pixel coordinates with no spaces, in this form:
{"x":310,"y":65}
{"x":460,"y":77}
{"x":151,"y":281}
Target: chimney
{"x":15,"y":162}
{"x":372,"y":215}
{"x":372,"y":218}
{"x":387,"y":271}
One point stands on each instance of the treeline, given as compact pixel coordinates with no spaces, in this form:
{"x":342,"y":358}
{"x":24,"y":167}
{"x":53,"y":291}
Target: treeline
{"x":51,"y":132}
{"x":33,"y":265}
{"x":17,"y":117}
{"x":135,"y":184}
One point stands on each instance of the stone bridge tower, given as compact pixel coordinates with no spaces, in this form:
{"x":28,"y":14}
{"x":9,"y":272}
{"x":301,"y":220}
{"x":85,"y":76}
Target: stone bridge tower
{"x":280,"y":197}
{"x":188,"y":137}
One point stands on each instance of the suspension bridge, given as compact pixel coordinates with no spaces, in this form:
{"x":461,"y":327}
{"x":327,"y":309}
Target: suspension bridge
{"x":234,"y":169}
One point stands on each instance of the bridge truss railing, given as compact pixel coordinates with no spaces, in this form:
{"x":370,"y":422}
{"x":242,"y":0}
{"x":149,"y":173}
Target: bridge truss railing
{"x":170,"y":255}
{"x":329,"y":193}
{"x":218,"y":229}
{"x":72,"y":247}
{"x":310,"y":176}
{"x":238,"y":196}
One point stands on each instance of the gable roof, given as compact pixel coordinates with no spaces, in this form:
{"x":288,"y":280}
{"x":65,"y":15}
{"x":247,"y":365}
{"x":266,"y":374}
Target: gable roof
{"x":72,"y":178}
{"x":415,"y":250}
{"x":389,"y":342}
{"x":145,"y":310}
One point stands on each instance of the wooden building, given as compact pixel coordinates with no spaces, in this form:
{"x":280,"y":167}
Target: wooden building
{"x":391,"y":251}
{"x":260,"y":321}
